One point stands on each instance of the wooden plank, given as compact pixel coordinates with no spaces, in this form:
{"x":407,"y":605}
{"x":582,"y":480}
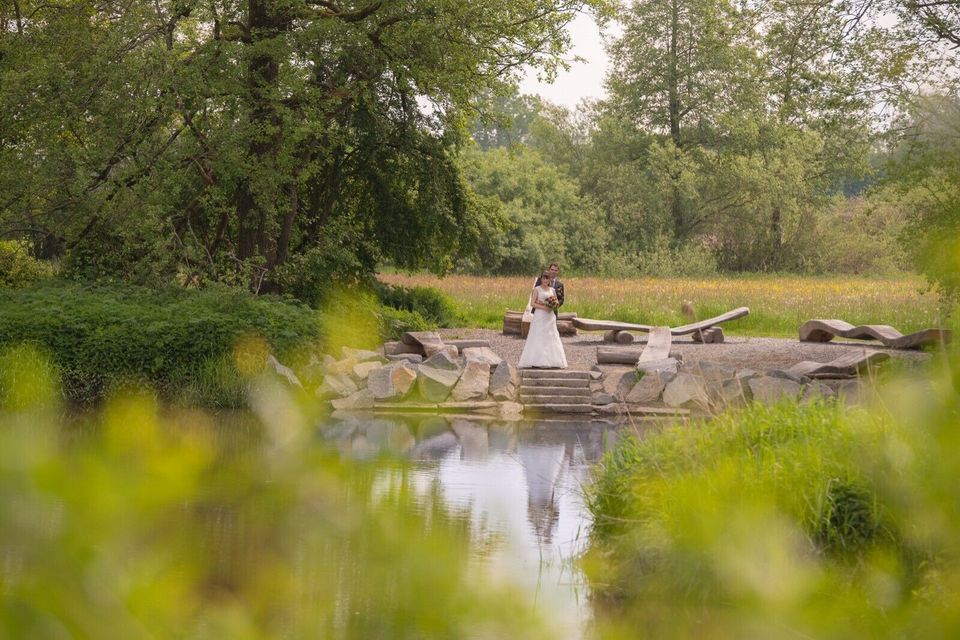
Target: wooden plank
{"x":658,"y":345}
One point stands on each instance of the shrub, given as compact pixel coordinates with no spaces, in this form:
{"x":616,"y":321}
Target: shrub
{"x":17,"y":267}
{"x":172,"y":339}
{"x":431,"y":305}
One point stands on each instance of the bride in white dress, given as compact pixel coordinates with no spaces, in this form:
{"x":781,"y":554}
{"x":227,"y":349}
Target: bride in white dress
{"x":543,"y":347}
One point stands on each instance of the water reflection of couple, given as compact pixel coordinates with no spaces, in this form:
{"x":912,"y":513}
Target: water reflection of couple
{"x":543,"y":348}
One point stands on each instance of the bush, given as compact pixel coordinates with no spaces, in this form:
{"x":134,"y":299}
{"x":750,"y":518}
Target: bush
{"x":17,"y":267}
{"x":432,"y":306}
{"x":172,"y":339}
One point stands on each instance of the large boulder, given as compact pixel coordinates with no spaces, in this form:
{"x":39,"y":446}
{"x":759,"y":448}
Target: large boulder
{"x":504,"y":381}
{"x":336,"y":384}
{"x":438,"y":375}
{"x":342,"y":367}
{"x":414,"y":358}
{"x":283,"y":372}
{"x":391,"y":382}
{"x":686,"y":389}
{"x":485,"y":355}
{"x":618,"y":381}
{"x":474,"y":383}
{"x":817,"y":391}
{"x":771,"y":389}
{"x":361,"y":399}
{"x":361,"y":370}
{"x":650,"y":387}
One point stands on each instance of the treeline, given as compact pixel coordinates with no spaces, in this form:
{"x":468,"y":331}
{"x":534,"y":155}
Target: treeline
{"x":735,"y":137}
{"x":281,"y":146}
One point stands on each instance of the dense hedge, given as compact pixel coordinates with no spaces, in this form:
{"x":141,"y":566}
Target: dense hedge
{"x":176,"y":340}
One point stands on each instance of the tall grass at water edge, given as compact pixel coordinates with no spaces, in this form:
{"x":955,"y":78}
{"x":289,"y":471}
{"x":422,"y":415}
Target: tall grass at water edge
{"x":789,"y":521}
{"x":778,"y":304}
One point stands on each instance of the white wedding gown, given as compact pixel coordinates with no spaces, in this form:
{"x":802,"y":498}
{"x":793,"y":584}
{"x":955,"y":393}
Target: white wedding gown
{"x":543,"y":347}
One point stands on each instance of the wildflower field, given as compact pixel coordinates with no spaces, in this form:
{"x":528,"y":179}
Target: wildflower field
{"x":778,"y":304}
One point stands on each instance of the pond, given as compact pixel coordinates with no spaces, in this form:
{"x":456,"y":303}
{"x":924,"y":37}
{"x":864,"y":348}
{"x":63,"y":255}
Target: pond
{"x":517,"y":484}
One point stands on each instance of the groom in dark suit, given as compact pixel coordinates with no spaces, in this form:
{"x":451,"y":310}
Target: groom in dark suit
{"x":555,"y":283}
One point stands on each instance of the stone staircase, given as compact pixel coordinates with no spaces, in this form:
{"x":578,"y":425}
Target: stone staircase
{"x":555,"y":391}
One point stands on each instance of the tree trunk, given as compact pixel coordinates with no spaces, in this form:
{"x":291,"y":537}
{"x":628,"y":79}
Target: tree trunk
{"x":673,"y":89}
{"x":262,"y":75}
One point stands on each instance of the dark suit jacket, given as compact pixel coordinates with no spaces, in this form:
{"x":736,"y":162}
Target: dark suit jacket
{"x":558,"y":287}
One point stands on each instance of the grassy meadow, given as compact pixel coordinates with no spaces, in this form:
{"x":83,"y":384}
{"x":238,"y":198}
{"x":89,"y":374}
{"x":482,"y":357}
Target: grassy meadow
{"x":778,"y":304}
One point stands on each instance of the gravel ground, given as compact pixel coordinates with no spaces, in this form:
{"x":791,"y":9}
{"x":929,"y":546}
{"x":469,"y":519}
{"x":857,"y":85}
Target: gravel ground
{"x":738,"y":351}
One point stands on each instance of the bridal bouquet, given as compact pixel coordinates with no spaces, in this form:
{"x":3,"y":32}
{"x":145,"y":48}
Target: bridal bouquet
{"x":552,"y":303}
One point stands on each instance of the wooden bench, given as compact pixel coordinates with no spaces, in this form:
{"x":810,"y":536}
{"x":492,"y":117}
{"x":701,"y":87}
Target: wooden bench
{"x":617,"y":330}
{"x":826,"y":330}
{"x":513,"y":324}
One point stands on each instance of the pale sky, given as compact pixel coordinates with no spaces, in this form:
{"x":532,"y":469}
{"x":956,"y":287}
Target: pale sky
{"x":584,"y":79}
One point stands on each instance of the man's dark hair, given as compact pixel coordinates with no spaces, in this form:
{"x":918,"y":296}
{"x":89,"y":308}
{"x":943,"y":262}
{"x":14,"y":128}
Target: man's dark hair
{"x":554,"y":264}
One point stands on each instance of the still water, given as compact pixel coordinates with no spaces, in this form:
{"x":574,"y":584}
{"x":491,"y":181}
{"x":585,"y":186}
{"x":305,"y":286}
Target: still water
{"x":518,"y":484}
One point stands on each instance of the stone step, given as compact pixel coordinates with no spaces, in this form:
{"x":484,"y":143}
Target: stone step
{"x":572,"y":383}
{"x":537,"y":390}
{"x":557,"y":408}
{"x":555,"y":373}
{"x":532,"y":400}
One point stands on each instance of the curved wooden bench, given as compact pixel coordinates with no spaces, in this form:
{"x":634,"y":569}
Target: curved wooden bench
{"x":615,"y":328}
{"x":822,"y":330}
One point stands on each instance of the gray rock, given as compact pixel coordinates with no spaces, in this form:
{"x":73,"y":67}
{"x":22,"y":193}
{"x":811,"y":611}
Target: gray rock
{"x":596,"y":375}
{"x":788,"y":375}
{"x":650,"y":387}
{"x":485,"y":355}
{"x":711,"y":371}
{"x":361,"y":399}
{"x":734,"y":393}
{"x":343,"y":367}
{"x":360,"y":355}
{"x":617,"y":381}
{"x":666,"y":365}
{"x":443,"y":359}
{"x":769,"y":389}
{"x":603,"y":398}
{"x":436,"y":383}
{"x":391,"y":382}
{"x":686,"y":389}
{"x":336,"y":384}
{"x":852,"y":391}
{"x":284,"y":373}
{"x":406,"y":357}
{"x":362,"y":370}
{"x":474,"y":383}
{"x":816,"y":390}
{"x":504,"y":381}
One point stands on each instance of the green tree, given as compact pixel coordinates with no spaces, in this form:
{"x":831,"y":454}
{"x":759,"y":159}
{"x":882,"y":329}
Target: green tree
{"x":545,"y":217}
{"x":218,"y":139}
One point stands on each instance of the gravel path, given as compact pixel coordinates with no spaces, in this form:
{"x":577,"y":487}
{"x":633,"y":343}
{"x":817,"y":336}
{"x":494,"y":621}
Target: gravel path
{"x":739,"y":351}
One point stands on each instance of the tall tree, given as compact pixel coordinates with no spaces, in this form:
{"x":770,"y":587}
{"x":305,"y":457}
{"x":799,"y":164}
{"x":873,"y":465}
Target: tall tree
{"x":219,"y":137}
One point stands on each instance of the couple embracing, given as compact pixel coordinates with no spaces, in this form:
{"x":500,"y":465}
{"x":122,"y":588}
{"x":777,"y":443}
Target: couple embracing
{"x":543,"y":348}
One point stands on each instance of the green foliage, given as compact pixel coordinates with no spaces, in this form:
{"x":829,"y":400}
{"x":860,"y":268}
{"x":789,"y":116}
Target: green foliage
{"x":100,"y":336}
{"x":146,"y":522}
{"x":786,"y":517}
{"x":924,"y":178}
{"x":235,"y":137}
{"x":17,"y":267}
{"x":431,"y":305}
{"x":548,"y":219}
